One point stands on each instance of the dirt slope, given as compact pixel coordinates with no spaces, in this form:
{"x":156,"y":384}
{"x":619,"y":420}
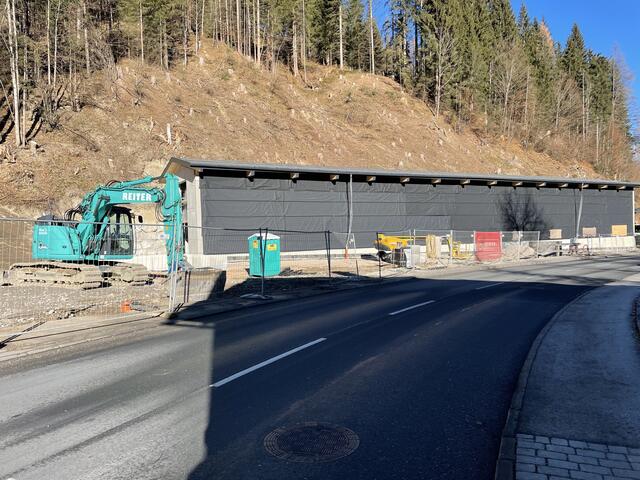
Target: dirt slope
{"x":222,"y":106}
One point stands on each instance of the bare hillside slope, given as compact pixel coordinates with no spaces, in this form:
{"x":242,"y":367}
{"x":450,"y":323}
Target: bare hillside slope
{"x":222,"y":106}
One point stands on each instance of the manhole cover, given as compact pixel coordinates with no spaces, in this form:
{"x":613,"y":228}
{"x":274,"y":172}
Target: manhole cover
{"x":311,"y":442}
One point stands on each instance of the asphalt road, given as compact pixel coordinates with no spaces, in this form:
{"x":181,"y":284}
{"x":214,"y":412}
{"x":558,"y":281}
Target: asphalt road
{"x":421,"y":370}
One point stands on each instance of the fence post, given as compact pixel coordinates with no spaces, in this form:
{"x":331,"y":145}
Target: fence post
{"x":173,"y":271}
{"x":263,"y":243}
{"x":519,"y":244}
{"x":475,"y":247}
{"x":378,"y":254}
{"x":451,"y":248}
{"x":327,"y":242}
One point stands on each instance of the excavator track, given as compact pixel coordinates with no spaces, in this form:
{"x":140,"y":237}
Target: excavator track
{"x":78,"y":275}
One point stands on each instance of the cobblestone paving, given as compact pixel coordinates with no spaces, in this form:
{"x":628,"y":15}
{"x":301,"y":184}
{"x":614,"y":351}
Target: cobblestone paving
{"x":549,"y":458}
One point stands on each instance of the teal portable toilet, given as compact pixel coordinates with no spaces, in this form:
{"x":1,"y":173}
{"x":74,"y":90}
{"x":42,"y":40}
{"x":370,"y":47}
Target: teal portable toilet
{"x":271,"y":250}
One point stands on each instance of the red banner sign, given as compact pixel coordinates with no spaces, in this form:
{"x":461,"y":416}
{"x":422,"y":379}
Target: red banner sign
{"x":488,"y":246}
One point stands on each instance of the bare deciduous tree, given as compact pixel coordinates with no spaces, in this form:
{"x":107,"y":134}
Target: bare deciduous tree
{"x":444,"y":68}
{"x":14,"y":64}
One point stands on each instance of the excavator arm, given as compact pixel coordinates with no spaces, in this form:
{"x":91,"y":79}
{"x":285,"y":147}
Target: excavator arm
{"x":96,"y":206}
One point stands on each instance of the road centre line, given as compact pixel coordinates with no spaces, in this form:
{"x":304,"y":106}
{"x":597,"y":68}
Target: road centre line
{"x":411,"y":307}
{"x":241,"y":373}
{"x":489,"y":286}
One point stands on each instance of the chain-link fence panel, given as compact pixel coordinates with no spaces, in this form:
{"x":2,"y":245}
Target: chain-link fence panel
{"x":391,"y":248}
{"x":53,"y":269}
{"x":424,"y":248}
{"x":601,"y":243}
{"x":353,"y":257}
{"x":253,"y":262}
{"x":304,"y":260}
{"x":530,"y":244}
{"x":463,"y":247}
{"x":516,"y":245}
{"x":431,"y":248}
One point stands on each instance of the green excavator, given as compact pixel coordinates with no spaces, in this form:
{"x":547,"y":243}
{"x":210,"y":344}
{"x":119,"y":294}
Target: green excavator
{"x":87,"y":247}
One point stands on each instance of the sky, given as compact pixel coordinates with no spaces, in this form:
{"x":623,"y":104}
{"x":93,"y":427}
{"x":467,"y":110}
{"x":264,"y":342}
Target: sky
{"x":604,"y":26}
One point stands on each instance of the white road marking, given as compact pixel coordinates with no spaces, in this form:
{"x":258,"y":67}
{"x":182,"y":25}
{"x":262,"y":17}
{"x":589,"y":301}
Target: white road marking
{"x":489,"y":286}
{"x":411,"y":307}
{"x":265,"y":363}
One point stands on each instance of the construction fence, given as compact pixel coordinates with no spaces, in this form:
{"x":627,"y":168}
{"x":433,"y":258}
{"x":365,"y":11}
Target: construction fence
{"x":41,"y":280}
{"x":433,"y":248}
{"x":122,"y":269}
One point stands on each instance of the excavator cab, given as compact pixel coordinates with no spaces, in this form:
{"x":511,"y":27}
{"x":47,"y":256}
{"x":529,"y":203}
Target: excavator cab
{"x":118,"y":240}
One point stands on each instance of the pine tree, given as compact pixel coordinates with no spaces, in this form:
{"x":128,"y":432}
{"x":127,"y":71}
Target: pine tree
{"x":574,"y":55}
{"x":356,"y":34}
{"x":326,"y":32}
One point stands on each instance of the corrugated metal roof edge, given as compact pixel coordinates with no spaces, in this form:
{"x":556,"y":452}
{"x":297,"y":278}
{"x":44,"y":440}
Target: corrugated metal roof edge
{"x":269,"y":167}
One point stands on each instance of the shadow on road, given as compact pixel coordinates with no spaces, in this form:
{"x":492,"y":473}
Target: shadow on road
{"x":427,"y":390}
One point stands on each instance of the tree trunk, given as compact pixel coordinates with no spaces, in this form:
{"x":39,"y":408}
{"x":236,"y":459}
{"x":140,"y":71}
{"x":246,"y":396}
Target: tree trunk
{"x":85,"y":23}
{"x":23,"y":138}
{"x":14,"y":66}
{"x":141,"y":32}
{"x":197,"y":28}
{"x":185,"y":38}
{"x":438,"y":83}
{"x":202,"y":23}
{"x":372,"y":60}
{"x":165,"y":53}
{"x":55,"y":46}
{"x":162,"y":40}
{"x":526,"y":109}
{"x":584,"y":105}
{"x":49,"y":42}
{"x":304,"y":42}
{"x":294,"y":52}
{"x":212,"y":20}
{"x":340,"y":36}
{"x":598,"y":144}
{"x":258,"y":34}
{"x":238,"y":40}
{"x":227,"y":22}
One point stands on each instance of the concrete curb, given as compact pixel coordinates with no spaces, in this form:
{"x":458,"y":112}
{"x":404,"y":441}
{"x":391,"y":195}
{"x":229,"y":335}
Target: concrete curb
{"x":505,"y":464}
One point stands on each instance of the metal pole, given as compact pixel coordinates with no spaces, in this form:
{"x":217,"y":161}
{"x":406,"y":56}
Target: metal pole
{"x":262,"y":248}
{"x":327,"y":237}
{"x":379,"y":258}
{"x":475,"y":246}
{"x":579,"y":216}
{"x":172,"y":270}
{"x":451,"y":247}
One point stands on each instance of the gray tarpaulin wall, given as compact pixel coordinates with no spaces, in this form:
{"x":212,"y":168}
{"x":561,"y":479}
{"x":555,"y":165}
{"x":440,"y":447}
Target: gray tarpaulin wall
{"x":317,"y":205}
